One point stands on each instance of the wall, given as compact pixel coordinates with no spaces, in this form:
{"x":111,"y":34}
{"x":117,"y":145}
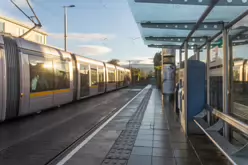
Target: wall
{"x":17,"y":30}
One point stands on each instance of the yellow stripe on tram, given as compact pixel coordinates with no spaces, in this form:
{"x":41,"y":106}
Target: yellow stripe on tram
{"x":62,"y":91}
{"x":47,"y":93}
{"x":94,"y":86}
{"x":41,"y":94}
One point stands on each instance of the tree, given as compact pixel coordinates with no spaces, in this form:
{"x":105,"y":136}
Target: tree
{"x":135,"y":74}
{"x":157,"y":59}
{"x":114,"y":62}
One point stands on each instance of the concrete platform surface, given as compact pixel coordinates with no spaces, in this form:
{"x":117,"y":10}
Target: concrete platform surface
{"x":146,"y":132}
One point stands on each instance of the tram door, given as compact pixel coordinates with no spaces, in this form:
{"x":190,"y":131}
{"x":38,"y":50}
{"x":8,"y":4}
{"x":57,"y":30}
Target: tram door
{"x":84,"y":80}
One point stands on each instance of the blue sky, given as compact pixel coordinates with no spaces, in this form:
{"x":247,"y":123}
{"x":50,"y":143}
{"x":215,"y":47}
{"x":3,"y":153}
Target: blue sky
{"x":101,"y":29}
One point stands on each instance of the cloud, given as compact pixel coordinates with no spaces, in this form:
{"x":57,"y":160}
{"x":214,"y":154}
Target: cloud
{"x":93,"y":49}
{"x":85,"y":37}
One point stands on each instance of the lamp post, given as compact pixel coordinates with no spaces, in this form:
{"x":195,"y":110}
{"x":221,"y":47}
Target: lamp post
{"x":65,"y":24}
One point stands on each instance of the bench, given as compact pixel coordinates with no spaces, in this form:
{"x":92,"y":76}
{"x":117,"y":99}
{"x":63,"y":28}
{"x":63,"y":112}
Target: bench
{"x":237,"y":156}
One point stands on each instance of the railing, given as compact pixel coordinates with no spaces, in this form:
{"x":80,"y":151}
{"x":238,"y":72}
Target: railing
{"x":237,"y":156}
{"x":232,"y":121}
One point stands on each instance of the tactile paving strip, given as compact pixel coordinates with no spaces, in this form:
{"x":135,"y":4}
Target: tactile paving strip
{"x":114,"y":162}
{"x":122,"y":148}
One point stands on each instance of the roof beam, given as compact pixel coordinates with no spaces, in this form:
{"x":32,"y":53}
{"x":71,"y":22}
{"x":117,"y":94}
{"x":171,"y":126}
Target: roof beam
{"x":165,"y":46}
{"x":198,"y":2}
{"x":210,"y":39}
{"x":184,"y":25}
{"x":176,"y":39}
{"x":241,"y":37}
{"x":240,"y":17}
{"x":235,"y":37}
{"x":170,"y":46}
{"x":240,"y":43}
{"x":201,"y":19}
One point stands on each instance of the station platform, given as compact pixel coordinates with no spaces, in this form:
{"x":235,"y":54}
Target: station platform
{"x":39,"y":139}
{"x":145,"y":131}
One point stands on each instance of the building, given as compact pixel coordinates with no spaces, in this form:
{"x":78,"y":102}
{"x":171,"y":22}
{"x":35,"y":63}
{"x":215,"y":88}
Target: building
{"x":16,"y":29}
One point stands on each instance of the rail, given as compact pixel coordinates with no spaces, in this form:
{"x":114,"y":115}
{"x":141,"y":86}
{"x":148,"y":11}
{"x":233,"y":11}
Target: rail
{"x":236,"y":155}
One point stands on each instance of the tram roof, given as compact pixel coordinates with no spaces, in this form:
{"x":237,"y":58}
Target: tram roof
{"x":169,"y":23}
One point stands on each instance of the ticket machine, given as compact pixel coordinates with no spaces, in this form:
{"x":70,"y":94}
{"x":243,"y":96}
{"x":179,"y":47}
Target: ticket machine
{"x":192,"y":94}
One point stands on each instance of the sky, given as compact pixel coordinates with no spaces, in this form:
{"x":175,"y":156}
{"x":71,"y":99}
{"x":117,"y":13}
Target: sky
{"x":100,"y":29}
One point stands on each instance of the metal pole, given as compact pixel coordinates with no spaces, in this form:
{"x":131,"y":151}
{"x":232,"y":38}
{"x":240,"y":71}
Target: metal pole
{"x":65,"y":27}
{"x":185,"y":87}
{"x":230,"y":87}
{"x":197,"y":54}
{"x":180,"y":61}
{"x":225,"y":80}
{"x":180,"y":58}
{"x":208,"y":79}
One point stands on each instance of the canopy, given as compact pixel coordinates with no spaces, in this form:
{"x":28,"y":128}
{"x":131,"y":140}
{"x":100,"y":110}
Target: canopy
{"x":169,"y":23}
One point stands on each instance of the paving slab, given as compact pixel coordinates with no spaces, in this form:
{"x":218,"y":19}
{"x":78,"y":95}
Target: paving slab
{"x":148,"y":133}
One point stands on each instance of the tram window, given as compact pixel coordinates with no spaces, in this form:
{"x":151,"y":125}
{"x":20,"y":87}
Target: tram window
{"x":84,"y":69}
{"x":119,"y":75}
{"x":84,"y":80}
{"x":216,"y":93}
{"x":122,"y":76}
{"x":41,"y":75}
{"x":236,"y":73}
{"x":101,"y":74}
{"x":62,"y":75}
{"x":93,"y":76}
{"x":111,"y":76}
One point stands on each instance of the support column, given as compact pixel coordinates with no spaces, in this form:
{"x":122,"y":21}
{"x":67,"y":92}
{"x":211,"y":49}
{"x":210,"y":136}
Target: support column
{"x":185,"y":90}
{"x":180,"y":61}
{"x":208,"y":79}
{"x":197,"y":54}
{"x":225,"y":82}
{"x":230,"y":86}
{"x":168,"y":72}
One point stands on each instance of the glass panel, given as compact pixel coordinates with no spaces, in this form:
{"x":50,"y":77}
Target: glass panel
{"x":38,"y":38}
{"x":166,"y":13}
{"x":93,"y":76}
{"x":216,"y":76}
{"x":62,"y":74}
{"x":2,"y":27}
{"x":175,"y":32}
{"x":101,"y":74}
{"x":21,"y":31}
{"x":84,"y":80}
{"x":240,"y":83}
{"x":41,"y":74}
{"x":172,"y":13}
{"x":239,"y":73}
{"x":101,"y":79}
{"x":111,"y":76}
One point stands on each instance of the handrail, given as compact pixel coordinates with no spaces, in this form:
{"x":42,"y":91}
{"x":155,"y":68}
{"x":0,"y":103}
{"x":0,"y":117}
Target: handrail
{"x":232,"y":121}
